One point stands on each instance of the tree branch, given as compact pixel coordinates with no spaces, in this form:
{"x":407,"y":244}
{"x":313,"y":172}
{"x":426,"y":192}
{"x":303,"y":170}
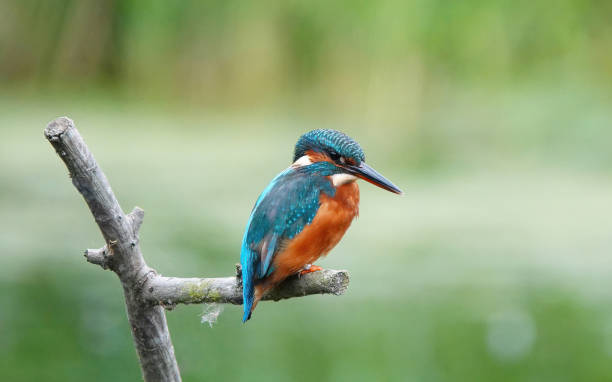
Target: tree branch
{"x":170,"y":291}
{"x":145,"y":291}
{"x":121,"y":253}
{"x":97,"y":256}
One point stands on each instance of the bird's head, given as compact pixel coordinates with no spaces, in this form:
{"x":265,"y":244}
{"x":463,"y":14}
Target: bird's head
{"x":347,"y":157}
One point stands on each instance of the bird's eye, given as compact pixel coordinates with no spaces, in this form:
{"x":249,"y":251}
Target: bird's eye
{"x":342,"y":160}
{"x":334,"y":156}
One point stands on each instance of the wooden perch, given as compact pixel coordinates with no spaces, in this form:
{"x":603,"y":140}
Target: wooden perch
{"x":146,"y":292}
{"x":172,"y":290}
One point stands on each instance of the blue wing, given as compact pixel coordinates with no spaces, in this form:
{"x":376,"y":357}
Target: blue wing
{"x":286,"y":206}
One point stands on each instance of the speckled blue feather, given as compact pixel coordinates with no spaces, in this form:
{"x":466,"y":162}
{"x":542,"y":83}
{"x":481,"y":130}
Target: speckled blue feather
{"x":286,"y":206}
{"x":328,"y":140}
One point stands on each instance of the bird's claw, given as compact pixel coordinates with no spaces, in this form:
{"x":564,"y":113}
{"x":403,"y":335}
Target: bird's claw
{"x":309,"y":269}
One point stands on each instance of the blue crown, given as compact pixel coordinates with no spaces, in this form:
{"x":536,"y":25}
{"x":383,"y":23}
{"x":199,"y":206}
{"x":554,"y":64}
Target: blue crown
{"x":330,"y":142}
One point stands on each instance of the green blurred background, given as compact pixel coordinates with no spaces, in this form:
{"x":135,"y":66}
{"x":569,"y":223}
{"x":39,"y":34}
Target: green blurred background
{"x":494,"y":117}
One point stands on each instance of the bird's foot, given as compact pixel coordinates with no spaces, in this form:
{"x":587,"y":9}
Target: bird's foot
{"x":309,"y":268}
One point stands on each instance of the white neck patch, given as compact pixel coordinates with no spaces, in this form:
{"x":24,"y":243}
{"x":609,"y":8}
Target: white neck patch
{"x":340,"y":179}
{"x":302,"y":161}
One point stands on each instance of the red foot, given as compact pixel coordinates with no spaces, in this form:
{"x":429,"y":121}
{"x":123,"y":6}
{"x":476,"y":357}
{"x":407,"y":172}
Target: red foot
{"x":313,"y":268}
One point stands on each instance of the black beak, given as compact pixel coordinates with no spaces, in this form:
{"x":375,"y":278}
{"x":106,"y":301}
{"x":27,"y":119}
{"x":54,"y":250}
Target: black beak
{"x":368,"y":174}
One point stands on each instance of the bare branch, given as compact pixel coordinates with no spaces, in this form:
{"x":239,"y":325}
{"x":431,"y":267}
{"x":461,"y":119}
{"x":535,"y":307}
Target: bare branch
{"x":170,"y":291}
{"x":97,"y":256}
{"x":146,"y":292}
{"x":136,"y":217}
{"x":123,"y":256}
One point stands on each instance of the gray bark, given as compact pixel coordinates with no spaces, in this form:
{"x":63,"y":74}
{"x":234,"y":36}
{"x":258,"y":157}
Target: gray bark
{"x":171,"y":290}
{"x":147,"y":293}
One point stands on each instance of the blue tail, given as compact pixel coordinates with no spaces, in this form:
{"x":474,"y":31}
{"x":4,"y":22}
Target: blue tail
{"x":247,"y":283}
{"x":247,"y":298}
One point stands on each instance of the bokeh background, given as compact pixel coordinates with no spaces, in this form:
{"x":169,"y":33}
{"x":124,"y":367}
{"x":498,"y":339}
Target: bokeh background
{"x":494,"y":117}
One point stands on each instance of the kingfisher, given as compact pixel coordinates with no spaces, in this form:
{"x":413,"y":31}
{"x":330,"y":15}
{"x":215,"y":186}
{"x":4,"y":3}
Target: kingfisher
{"x":304,"y":212}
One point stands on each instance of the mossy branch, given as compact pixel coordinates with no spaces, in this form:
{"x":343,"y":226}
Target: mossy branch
{"x":170,"y":291}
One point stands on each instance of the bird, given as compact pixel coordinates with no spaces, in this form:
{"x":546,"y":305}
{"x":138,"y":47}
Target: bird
{"x":304,"y":212}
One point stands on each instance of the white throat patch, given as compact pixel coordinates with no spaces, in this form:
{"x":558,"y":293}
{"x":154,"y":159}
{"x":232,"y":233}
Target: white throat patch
{"x":302,"y":161}
{"x":340,"y":179}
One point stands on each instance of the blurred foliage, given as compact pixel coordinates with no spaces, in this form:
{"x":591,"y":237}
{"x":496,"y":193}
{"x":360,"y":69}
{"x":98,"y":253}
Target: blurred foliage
{"x":428,"y":337}
{"x":493,"y":116}
{"x":243,"y":52}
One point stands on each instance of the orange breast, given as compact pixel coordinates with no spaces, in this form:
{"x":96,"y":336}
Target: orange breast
{"x":333,"y":218}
